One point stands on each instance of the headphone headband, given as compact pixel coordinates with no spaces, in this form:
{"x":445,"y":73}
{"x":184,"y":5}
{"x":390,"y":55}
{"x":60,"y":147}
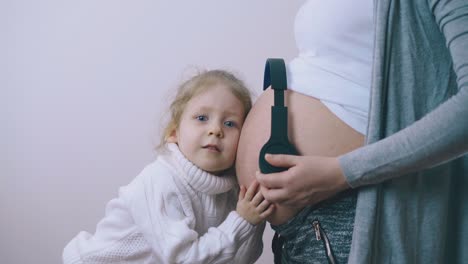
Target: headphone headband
{"x":275,"y":74}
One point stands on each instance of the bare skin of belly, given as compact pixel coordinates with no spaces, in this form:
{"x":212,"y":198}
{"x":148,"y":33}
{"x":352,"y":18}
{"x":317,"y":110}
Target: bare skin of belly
{"x":312,"y":128}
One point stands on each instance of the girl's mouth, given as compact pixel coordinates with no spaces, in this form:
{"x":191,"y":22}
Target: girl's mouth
{"x":213,"y":148}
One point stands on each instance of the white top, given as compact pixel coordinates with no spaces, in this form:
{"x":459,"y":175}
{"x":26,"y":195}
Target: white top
{"x":335,"y":42}
{"x":172,"y":212}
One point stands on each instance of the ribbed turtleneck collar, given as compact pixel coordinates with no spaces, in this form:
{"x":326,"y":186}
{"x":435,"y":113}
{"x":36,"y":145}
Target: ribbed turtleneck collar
{"x":199,"y":179}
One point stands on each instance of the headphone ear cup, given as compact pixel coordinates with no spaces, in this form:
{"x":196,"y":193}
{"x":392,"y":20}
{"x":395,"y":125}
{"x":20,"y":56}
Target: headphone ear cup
{"x":274,"y":148}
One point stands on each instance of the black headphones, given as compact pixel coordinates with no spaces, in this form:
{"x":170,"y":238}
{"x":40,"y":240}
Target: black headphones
{"x":275,"y":75}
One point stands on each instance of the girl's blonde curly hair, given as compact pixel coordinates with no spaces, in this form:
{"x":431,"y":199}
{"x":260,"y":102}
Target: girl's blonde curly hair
{"x":198,"y":84}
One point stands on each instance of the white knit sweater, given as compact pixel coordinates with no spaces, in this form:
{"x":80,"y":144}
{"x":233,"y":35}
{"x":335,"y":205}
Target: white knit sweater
{"x":172,"y":212}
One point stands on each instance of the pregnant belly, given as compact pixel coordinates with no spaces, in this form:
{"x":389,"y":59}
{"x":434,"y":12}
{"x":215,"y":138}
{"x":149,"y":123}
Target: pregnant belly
{"x":312,"y":128}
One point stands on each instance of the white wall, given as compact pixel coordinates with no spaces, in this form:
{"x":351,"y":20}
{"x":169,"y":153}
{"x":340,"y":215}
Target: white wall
{"x":83,"y":86}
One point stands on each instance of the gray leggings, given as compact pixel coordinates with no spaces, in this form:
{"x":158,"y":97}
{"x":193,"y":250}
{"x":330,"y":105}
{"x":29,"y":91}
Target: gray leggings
{"x":305,"y":238}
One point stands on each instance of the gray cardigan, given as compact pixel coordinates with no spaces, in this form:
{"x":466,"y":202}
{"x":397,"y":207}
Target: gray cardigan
{"x":413,"y":173}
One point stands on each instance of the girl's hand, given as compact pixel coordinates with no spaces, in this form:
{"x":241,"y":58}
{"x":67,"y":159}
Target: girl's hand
{"x":308,"y":180}
{"x":252,"y":206}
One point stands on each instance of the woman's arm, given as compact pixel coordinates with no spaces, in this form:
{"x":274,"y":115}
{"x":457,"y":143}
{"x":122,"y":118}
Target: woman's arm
{"x":437,"y":138}
{"x":441,"y":135}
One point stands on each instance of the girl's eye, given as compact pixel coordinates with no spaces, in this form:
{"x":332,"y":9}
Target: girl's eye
{"x":202,"y":118}
{"x":229,"y":124}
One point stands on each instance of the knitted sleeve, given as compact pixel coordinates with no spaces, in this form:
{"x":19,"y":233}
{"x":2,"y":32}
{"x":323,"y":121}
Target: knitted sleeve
{"x":438,"y":137}
{"x":166,"y":217}
{"x":251,"y":250}
{"x":116,"y":239}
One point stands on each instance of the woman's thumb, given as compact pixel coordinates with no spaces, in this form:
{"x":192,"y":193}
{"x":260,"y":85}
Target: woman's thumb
{"x":281,"y":160}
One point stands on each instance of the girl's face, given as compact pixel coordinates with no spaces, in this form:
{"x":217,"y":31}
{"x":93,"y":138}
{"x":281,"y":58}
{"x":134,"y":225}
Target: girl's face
{"x":209,"y":129}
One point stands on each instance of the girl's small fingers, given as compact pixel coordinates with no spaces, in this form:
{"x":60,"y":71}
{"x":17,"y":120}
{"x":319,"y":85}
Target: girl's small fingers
{"x":263,"y":205}
{"x":268,"y":211}
{"x":257,"y":199}
{"x":241,"y":192}
{"x":251,"y":190}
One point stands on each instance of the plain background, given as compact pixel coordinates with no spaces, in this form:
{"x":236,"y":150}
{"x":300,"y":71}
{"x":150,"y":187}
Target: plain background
{"x":83,"y":87}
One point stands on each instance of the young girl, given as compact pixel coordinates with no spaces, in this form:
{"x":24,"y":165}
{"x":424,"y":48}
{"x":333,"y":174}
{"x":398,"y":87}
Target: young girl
{"x":182,"y":207}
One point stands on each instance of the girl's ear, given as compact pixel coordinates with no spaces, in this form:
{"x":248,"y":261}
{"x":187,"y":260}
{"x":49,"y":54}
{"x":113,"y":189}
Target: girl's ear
{"x":172,"y":138}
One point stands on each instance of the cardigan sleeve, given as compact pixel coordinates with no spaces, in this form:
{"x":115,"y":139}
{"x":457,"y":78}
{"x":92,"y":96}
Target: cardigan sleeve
{"x":167,"y":220}
{"x":438,"y":137}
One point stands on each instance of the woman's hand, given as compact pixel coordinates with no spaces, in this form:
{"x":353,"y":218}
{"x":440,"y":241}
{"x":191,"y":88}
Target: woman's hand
{"x":252,"y":206}
{"x":308,"y":180}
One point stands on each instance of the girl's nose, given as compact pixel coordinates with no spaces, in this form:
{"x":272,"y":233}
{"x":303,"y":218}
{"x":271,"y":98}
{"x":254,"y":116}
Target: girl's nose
{"x":215,"y":130}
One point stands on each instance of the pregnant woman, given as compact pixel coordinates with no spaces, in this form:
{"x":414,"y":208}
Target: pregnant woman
{"x":410,"y":82}
{"x":327,"y":100}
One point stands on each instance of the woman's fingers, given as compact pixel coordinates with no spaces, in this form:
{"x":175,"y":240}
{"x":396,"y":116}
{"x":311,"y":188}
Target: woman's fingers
{"x":279,"y":179}
{"x":272,"y":180}
{"x":308,"y":180}
{"x":274,"y":195}
{"x":282,"y":160}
